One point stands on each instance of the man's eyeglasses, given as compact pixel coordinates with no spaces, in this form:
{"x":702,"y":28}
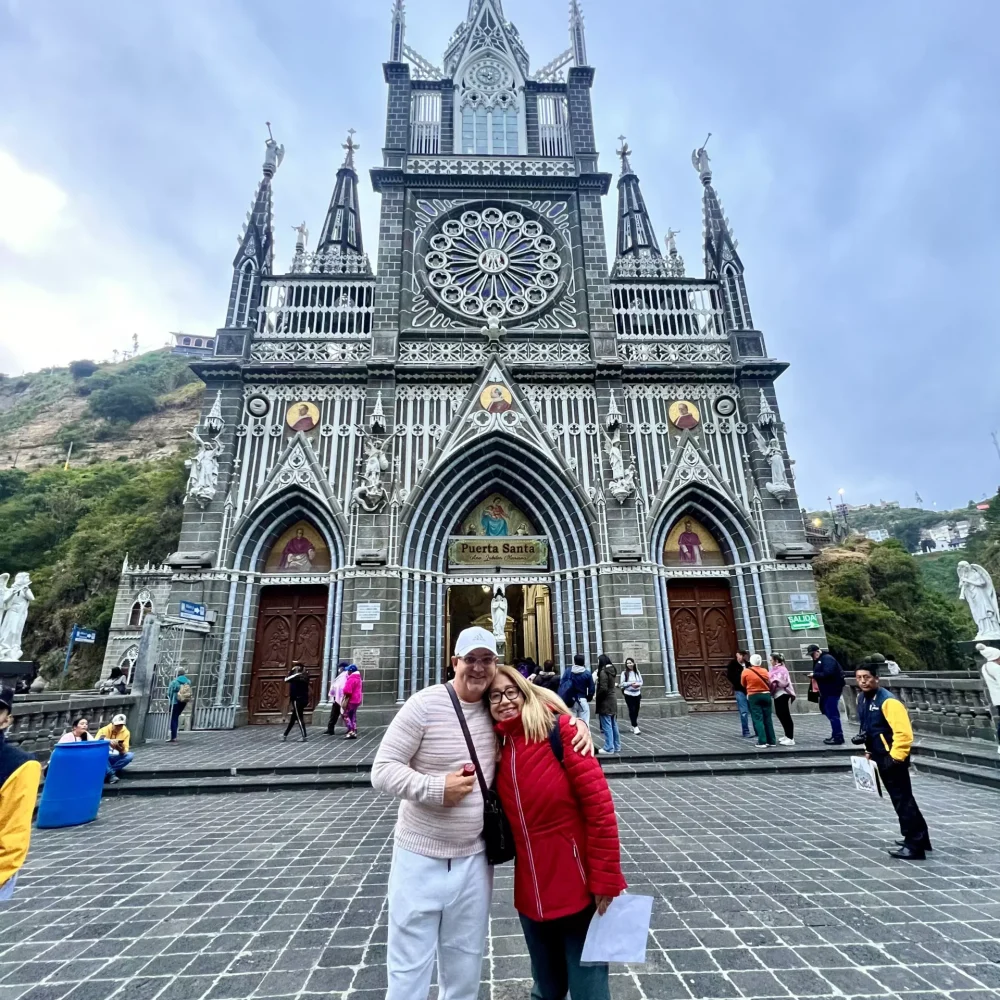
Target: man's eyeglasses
{"x":511,"y":694}
{"x":475,"y":661}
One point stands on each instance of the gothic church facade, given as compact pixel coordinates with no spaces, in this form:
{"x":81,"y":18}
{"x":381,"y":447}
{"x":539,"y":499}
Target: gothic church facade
{"x":494,"y":425}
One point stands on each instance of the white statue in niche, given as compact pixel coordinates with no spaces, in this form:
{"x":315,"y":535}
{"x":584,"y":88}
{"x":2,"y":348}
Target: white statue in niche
{"x":14,"y":603}
{"x":622,"y":484}
{"x":975,"y":587}
{"x":371,"y":494}
{"x":498,"y":613}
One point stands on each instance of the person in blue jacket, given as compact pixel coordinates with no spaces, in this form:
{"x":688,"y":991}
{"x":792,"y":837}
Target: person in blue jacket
{"x":577,"y":688}
{"x":829,"y":677}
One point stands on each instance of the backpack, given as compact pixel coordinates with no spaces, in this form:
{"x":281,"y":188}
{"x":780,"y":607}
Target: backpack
{"x":184,"y":693}
{"x":567,"y":688}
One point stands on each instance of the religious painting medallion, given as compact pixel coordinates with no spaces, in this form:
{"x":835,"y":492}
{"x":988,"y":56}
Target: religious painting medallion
{"x":302,"y":416}
{"x":301,"y":549}
{"x":684,"y":415}
{"x":691,"y":544}
{"x":496,"y":399}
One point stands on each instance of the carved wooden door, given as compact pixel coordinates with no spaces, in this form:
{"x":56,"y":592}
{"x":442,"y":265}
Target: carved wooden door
{"x":701,"y":621}
{"x":291,"y":624}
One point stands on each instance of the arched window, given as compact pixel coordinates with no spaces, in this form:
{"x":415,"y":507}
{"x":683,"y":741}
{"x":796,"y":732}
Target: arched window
{"x":489,"y":110}
{"x":197,"y":343}
{"x":187,"y":341}
{"x":142,"y":606}
{"x":127,"y":663}
{"x":241,"y":309}
{"x":735,"y":300}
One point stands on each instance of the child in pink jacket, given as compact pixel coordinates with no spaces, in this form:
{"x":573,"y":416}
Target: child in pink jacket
{"x":352,"y":701}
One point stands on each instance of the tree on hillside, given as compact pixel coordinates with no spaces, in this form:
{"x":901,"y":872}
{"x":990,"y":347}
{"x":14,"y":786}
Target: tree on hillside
{"x":82,"y":369}
{"x":125,"y":400}
{"x":874,"y":599}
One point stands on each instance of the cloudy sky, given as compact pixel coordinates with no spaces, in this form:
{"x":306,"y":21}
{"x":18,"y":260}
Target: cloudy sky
{"x":854,"y":147}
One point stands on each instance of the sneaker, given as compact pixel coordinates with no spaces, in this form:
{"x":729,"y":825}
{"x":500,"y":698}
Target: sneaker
{"x":785,"y":741}
{"x":113,"y":780}
{"x":749,"y":736}
{"x":606,"y":753}
{"x":636,"y":730}
{"x":760,"y":746}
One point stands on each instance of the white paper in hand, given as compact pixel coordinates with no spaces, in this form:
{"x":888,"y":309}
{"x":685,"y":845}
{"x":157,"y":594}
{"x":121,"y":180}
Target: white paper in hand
{"x":866,"y":777}
{"x":620,"y":935}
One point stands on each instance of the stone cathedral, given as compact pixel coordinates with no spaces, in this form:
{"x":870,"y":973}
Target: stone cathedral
{"x":494,"y":425}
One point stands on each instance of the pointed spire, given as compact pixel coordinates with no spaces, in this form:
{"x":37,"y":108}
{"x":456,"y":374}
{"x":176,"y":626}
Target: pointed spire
{"x":577,"y":38}
{"x":636,"y":238}
{"x":722,"y":262}
{"x":255,"y":255}
{"x":342,"y":228}
{"x":398,"y":38}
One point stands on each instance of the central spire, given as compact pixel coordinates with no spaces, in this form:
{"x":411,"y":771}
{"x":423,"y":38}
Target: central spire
{"x":636,"y":237}
{"x":341,"y":233}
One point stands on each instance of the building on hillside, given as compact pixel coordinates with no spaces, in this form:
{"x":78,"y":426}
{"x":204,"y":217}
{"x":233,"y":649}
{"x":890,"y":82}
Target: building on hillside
{"x":493,"y":425}
{"x":193,"y":346}
{"x":947,"y":535}
{"x":877,"y":534}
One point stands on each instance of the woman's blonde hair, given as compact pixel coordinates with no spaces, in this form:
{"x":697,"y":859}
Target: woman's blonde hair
{"x":540,"y":705}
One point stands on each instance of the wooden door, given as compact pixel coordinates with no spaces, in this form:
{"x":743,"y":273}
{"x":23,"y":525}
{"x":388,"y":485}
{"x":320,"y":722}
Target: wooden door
{"x":291,"y":625}
{"x":701,"y":620}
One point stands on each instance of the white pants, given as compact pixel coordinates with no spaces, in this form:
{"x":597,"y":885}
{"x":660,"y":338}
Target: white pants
{"x":437,"y":908}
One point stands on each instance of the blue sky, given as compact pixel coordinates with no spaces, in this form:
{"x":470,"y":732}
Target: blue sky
{"x":854,"y":147}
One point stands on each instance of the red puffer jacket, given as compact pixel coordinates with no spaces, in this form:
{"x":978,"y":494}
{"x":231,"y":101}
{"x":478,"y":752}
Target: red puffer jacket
{"x":564,"y":824}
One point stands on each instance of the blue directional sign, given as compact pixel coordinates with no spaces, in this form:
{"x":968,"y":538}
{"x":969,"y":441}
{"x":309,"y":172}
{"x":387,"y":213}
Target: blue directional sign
{"x":87,"y":635}
{"x":192,"y":612}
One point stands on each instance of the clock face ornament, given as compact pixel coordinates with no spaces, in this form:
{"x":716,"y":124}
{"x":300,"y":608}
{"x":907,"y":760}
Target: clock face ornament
{"x":493,"y":264}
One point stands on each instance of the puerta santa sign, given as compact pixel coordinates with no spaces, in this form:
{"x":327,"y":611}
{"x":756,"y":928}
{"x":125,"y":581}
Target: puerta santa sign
{"x":514,"y":551}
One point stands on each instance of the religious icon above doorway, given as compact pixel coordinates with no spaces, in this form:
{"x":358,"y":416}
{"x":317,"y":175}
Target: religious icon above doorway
{"x":684,"y":415}
{"x":496,"y":399}
{"x":691,"y":544}
{"x":301,"y":549}
{"x":496,"y":517}
{"x":302,"y":416}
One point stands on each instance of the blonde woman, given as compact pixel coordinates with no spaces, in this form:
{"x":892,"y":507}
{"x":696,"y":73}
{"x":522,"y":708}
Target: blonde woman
{"x":565,"y":831}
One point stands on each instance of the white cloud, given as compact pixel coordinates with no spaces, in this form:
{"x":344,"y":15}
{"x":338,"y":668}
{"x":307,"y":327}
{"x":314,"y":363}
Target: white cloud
{"x":33,"y":207}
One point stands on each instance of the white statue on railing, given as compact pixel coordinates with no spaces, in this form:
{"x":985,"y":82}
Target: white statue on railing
{"x":975,"y":587}
{"x":14,"y":603}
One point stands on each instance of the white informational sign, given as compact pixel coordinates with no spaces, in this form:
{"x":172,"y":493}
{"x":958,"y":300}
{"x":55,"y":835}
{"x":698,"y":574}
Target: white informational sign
{"x":368,"y":627}
{"x":638,"y":651}
{"x":365,"y":657}
{"x":866,"y":776}
{"x":801,"y":602}
{"x":630,"y":605}
{"x":370,"y":612}
{"x":620,"y":935}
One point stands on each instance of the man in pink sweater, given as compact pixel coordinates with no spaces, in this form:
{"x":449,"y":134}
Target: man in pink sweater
{"x":440,"y":884}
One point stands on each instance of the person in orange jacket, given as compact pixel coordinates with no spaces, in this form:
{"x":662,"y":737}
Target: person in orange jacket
{"x":20,"y":774}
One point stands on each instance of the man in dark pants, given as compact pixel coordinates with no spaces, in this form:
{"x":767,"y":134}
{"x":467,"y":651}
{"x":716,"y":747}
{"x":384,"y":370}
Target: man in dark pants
{"x":885,"y":725}
{"x":829,"y":677}
{"x":734,"y":673}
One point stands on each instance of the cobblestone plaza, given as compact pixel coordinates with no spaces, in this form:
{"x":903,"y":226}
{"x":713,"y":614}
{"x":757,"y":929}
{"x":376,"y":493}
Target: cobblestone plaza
{"x":764,"y":886}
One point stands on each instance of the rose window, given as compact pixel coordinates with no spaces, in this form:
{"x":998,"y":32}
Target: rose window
{"x":493,"y":265}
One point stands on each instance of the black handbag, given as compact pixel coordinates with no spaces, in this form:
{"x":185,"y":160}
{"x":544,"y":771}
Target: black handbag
{"x":496,"y":827}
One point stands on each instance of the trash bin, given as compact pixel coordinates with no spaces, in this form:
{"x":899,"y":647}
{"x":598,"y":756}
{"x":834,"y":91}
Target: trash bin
{"x":74,"y":783}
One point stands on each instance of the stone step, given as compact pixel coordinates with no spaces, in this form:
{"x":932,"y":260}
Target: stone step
{"x":973,"y":774}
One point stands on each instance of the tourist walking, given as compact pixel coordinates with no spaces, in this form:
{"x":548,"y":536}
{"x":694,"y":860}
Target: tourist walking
{"x":353,"y":697}
{"x":783,"y":693}
{"x":577,"y":688}
{"x":20,"y":774}
{"x":829,"y":677}
{"x":179,"y":696}
{"x":546,"y":677}
{"x":336,"y":696}
{"x":440,"y":884}
{"x":758,"y":687}
{"x":734,"y":673}
{"x":607,"y":704}
{"x":298,"y":700}
{"x":885,"y":726}
{"x":991,"y":675}
{"x":631,"y":685}
{"x":568,"y":856}
{"x":119,"y":756}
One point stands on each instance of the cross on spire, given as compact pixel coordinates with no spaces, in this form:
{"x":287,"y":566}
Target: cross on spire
{"x":352,"y":147}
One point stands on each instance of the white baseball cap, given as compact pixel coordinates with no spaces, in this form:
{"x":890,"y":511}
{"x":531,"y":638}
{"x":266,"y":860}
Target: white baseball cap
{"x":475,"y":638}
{"x":119,"y":720}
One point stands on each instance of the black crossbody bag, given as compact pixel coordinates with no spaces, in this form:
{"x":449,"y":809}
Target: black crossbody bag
{"x":496,"y":827}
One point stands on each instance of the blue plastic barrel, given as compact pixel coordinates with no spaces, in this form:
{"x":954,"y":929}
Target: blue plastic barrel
{"x":74,"y":783}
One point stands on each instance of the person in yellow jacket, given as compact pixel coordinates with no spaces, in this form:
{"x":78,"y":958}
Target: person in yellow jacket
{"x":887,"y":734}
{"x":120,"y":756}
{"x":20,"y":774}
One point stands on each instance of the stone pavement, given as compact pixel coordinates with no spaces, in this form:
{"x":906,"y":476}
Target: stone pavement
{"x":773,"y":886}
{"x":261,"y":746}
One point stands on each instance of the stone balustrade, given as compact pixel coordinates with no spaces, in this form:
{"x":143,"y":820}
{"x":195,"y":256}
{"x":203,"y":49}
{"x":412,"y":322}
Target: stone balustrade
{"x":40,"y":720}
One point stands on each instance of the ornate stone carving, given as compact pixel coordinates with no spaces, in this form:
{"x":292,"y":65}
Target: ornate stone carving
{"x":622,"y":484}
{"x":14,"y":603}
{"x":765,"y":433}
{"x":371,"y":494}
{"x":297,"y":391}
{"x":975,"y":587}
{"x":507,"y":166}
{"x":322,"y":352}
{"x":461,"y":352}
{"x":203,"y":469}
{"x":684,"y":352}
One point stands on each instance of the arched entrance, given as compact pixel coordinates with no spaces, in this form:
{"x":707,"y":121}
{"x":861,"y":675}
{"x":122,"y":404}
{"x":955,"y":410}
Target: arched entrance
{"x":546,"y":510}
